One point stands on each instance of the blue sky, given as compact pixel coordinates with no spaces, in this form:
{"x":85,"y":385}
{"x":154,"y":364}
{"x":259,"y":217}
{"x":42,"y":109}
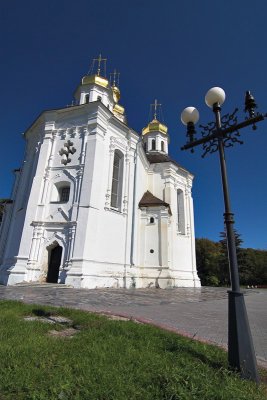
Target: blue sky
{"x":170,"y":50}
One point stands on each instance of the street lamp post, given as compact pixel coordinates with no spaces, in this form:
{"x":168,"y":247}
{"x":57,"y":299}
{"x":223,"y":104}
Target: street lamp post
{"x":224,"y":132}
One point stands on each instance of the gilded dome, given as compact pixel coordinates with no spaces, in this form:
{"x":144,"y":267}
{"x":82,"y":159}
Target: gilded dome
{"x":95,"y":79}
{"x":118,"y":109}
{"x":116,"y":94}
{"x":155,"y":126}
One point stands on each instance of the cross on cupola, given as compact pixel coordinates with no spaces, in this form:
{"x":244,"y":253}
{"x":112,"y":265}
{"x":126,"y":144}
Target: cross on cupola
{"x":156,"y":105}
{"x":65,"y":151}
{"x":100,"y":60}
{"x":115,"y":76}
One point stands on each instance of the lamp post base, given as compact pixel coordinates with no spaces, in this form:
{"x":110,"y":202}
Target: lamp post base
{"x":241,"y":354}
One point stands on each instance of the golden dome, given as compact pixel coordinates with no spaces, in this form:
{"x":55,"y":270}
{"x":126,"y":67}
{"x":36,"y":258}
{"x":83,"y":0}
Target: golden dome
{"x":96,"y":79}
{"x":118,"y":109}
{"x":155,"y":126}
{"x":116,"y":94}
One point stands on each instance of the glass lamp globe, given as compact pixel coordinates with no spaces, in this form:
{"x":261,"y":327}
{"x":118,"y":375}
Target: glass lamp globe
{"x":190,"y":114}
{"x":215,"y":95}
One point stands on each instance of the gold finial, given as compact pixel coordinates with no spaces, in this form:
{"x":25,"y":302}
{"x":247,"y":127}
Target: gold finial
{"x":155,"y":105}
{"x":99,"y":60}
{"x":115,"y":75}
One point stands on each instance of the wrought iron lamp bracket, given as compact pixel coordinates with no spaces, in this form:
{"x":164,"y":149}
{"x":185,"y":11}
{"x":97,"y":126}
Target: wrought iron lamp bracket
{"x":210,"y":146}
{"x":228,"y":138}
{"x":229,"y":129}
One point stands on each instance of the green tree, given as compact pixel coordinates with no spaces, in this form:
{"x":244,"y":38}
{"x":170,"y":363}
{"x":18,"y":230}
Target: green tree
{"x":207,"y":253}
{"x":254,"y":267}
{"x":224,"y":273}
{"x":213,"y":267}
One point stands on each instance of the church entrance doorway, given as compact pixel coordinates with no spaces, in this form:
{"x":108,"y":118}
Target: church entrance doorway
{"x":54,"y":263}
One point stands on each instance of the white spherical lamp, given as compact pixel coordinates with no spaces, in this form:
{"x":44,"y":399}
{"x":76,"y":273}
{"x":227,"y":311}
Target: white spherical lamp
{"x":190,"y":114}
{"x":215,"y":95}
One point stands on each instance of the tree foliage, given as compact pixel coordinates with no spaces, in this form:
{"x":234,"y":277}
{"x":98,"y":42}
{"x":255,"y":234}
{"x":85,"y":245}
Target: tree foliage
{"x":213,"y":265}
{"x":207,"y":254}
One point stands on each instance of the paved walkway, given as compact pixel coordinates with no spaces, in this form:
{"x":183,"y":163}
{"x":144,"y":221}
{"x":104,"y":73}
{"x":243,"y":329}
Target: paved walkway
{"x":198,"y":313}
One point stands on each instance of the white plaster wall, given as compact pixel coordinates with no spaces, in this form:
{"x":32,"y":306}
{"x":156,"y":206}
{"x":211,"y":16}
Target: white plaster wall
{"x":152,"y":237}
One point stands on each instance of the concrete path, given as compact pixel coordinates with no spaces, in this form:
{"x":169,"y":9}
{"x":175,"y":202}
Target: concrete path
{"x":198,"y":313}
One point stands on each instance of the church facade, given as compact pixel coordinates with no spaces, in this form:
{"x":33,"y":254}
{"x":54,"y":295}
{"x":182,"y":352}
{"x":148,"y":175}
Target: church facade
{"x":96,"y":204}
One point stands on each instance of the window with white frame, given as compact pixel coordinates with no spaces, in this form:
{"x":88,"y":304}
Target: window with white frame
{"x":180,"y":212}
{"x":117,"y":180}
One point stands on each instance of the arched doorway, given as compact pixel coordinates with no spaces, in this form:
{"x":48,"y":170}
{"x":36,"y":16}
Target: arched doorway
{"x":54,"y":258}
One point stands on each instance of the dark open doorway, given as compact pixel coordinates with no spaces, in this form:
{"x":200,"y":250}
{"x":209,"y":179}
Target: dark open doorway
{"x":54,"y":264}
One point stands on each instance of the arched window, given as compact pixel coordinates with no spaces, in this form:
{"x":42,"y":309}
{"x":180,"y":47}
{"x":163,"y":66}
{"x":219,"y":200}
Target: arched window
{"x":162,"y":145}
{"x":145,"y":147}
{"x":153,"y":144}
{"x":180,"y":212}
{"x":61,"y":192}
{"x":117,"y":179}
{"x":152,"y":220}
{"x":86,"y":99}
{"x":64,"y":194}
{"x":99,"y":98}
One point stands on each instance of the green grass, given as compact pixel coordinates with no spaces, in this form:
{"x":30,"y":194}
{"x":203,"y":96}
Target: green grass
{"x":109,"y":360}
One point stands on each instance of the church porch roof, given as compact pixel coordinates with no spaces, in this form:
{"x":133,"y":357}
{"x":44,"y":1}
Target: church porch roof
{"x":157,"y":158}
{"x":149,"y":200}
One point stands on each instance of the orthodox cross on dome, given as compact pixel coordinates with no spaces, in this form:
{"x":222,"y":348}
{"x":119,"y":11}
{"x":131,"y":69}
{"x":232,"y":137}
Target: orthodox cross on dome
{"x":116,"y":78}
{"x":100,"y":60}
{"x":65,"y":151}
{"x":156,"y":105}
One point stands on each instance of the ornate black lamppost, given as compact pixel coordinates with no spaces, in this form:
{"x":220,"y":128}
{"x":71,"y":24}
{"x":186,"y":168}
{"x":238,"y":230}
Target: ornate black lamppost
{"x":224,"y":132}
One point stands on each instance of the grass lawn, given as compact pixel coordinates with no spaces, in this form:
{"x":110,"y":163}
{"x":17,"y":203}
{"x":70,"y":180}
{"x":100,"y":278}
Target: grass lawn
{"x":108,"y":360}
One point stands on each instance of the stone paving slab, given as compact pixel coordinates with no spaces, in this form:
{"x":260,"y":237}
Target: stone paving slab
{"x":200,"y":313}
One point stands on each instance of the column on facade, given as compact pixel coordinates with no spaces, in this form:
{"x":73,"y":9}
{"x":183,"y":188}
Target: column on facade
{"x":35,"y":246}
{"x":51,"y":137}
{"x":110,"y":172}
{"x":164,"y":237}
{"x":192,"y":237}
{"x":126,"y":179}
{"x":187,"y":195}
{"x":158,"y":142}
{"x":82,"y":160}
{"x":128,"y":203}
{"x":170,"y":197}
{"x":70,"y":245}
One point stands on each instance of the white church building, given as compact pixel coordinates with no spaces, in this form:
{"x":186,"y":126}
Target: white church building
{"x":97,"y":204}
